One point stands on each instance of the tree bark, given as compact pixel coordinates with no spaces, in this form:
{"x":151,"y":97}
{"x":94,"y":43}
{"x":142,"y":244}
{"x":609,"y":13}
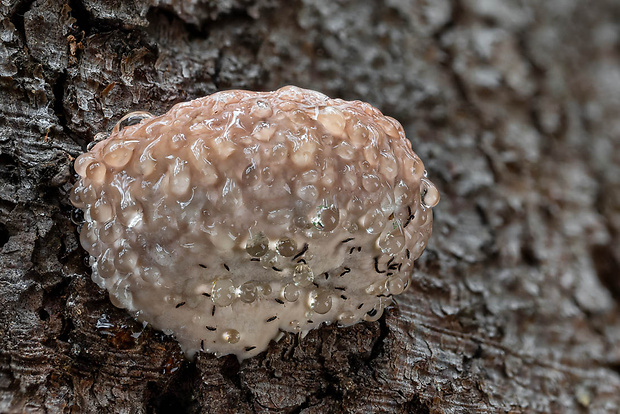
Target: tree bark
{"x":514,"y":106}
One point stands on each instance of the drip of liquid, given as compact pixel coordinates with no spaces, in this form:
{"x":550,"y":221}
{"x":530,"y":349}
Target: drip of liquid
{"x":429,"y":193}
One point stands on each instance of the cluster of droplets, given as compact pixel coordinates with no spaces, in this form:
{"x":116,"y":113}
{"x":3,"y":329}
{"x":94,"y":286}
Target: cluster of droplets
{"x":288,"y":207}
{"x":285,"y":247}
{"x":225,"y":291}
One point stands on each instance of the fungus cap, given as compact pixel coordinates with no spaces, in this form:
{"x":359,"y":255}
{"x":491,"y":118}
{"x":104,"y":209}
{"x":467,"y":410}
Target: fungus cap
{"x":239,"y":215}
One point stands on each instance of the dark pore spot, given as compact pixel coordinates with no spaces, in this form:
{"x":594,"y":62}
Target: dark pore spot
{"x":4,"y":235}
{"x":607,"y":267}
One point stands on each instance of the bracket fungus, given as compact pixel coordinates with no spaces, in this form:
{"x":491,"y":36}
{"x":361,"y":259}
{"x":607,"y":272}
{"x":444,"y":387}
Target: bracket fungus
{"x":239,"y":215}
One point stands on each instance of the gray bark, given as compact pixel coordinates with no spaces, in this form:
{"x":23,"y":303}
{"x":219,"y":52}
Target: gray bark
{"x":514,"y":106}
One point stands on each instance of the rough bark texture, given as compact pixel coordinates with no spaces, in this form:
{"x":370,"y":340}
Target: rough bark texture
{"x":514,"y":106}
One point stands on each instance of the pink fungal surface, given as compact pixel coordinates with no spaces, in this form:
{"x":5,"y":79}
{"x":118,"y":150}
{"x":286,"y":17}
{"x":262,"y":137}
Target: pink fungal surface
{"x":240,"y":215}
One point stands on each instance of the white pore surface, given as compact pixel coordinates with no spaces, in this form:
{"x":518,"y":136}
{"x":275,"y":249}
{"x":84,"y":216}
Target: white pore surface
{"x":239,"y":215}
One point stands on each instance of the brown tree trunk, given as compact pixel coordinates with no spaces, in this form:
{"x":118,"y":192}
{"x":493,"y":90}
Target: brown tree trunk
{"x":513,"y":105}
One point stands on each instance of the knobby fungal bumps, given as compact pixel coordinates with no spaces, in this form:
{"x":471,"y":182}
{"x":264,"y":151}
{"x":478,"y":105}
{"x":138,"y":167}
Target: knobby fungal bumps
{"x":240,"y":215}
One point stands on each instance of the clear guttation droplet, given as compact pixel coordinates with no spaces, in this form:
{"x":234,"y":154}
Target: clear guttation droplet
{"x":101,"y":211}
{"x":279,"y":153}
{"x":373,"y":221}
{"x":261,"y":109}
{"x":320,"y":301}
{"x":257,"y":245}
{"x":396,"y":286}
{"x":126,"y":260}
{"x":290,"y":292}
{"x":88,"y":236}
{"x":251,"y":175}
{"x":77,"y":216}
{"x":110,"y":232}
{"x":82,"y":162}
{"x":269,"y":259}
{"x":371,"y":182}
{"x":151,"y":274}
{"x":132,"y":118}
{"x":302,"y":222}
{"x":117,"y":155}
{"x":76,"y":196}
{"x":429,"y":193}
{"x":223,"y":292}
{"x":347,"y":318}
{"x":286,"y":247}
{"x":352,"y":228}
{"x":247,"y":292}
{"x":96,"y":139}
{"x":392,"y":242}
{"x":376,"y":288}
{"x":88,"y":194}
{"x":105,"y":265}
{"x":96,"y":173}
{"x":327,"y":218}
{"x":303,"y":275}
{"x":264,"y":288}
{"x":121,"y":297}
{"x":402,"y":194}
{"x":231,"y":336}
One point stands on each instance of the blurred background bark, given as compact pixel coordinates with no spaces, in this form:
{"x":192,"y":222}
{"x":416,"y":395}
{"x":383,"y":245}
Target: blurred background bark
{"x":513,"y":105}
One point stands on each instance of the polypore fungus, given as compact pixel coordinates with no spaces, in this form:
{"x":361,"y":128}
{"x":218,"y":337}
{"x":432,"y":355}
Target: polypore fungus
{"x":240,"y":215}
